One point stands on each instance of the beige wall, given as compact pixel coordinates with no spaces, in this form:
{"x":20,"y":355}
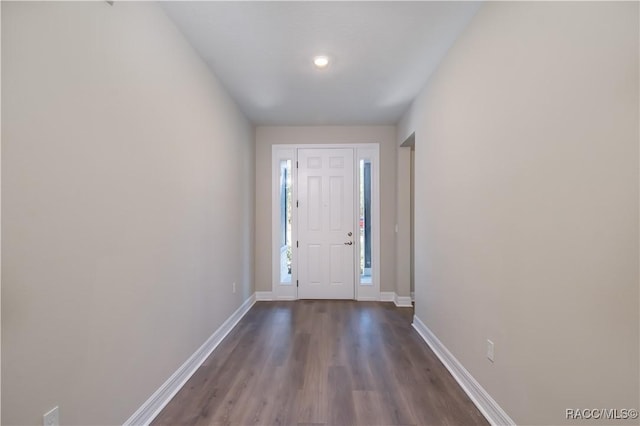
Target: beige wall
{"x":527,"y":205}
{"x":412,"y":197}
{"x":127,"y":213}
{"x":267,"y":136}
{"x":403,"y":212}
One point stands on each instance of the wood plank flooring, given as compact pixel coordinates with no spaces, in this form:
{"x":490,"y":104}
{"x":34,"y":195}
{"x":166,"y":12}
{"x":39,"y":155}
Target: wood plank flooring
{"x":322,"y":363}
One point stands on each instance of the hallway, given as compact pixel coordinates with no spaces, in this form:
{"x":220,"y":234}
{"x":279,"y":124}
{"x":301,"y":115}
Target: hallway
{"x":180,"y":179}
{"x":322,"y":362}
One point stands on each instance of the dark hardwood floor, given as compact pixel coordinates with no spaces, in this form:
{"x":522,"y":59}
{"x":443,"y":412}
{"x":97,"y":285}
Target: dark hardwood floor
{"x":322,"y":363}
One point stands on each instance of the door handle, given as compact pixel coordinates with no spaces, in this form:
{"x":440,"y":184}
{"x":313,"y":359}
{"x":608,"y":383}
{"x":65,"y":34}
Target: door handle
{"x":348,"y":243}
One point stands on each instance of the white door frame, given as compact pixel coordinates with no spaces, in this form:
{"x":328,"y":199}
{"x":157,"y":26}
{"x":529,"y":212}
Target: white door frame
{"x":367,"y":151}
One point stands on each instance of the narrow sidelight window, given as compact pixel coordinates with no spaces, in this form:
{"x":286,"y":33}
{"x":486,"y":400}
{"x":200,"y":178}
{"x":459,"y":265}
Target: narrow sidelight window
{"x":365,"y":221}
{"x":285,"y":221}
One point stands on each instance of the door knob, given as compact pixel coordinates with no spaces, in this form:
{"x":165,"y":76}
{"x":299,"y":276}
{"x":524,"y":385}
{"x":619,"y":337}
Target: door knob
{"x":349,"y":233}
{"x":348,"y":243}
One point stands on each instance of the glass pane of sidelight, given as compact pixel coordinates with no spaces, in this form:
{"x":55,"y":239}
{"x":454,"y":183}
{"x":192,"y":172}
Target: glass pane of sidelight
{"x":285,"y":221}
{"x":365,"y":221}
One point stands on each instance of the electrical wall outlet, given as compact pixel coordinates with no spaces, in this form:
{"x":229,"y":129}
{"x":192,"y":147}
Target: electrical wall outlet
{"x":52,"y":417}
{"x":234,"y":288}
{"x":490,"y":350}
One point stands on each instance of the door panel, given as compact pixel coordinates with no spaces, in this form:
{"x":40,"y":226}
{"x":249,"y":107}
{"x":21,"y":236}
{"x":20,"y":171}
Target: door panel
{"x":314,"y":203}
{"x":326,"y":212}
{"x":315,"y":264}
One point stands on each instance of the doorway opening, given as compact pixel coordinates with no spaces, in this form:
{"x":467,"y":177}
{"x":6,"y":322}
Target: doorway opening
{"x":406,"y":210}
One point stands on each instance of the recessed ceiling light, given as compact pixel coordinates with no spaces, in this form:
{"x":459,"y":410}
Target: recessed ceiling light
{"x":321,"y":61}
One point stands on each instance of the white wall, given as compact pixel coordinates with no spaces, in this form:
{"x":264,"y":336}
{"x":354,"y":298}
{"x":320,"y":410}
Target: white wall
{"x":267,"y":136}
{"x":527,"y":205}
{"x":127,"y":211}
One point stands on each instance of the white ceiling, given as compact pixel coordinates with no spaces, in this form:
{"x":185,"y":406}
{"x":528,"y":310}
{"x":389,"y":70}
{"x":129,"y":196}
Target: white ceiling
{"x":382,"y":54}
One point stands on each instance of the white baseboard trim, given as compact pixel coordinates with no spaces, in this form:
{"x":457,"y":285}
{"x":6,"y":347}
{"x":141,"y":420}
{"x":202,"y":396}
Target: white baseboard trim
{"x":387,"y":296}
{"x":160,"y":398}
{"x":403,"y":301}
{"x":399,"y":301}
{"x":264,"y":295}
{"x":478,"y":395}
{"x":368,"y":299}
{"x":269,"y":296}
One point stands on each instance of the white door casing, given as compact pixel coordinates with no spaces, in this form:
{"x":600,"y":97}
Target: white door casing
{"x":326,"y":196}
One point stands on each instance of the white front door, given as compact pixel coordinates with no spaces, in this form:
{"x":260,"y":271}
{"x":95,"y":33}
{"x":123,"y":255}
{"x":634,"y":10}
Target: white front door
{"x":326,"y":249}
